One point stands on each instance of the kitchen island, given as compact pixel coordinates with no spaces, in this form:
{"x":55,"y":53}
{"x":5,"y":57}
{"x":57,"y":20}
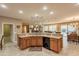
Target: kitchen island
{"x":51,"y":42}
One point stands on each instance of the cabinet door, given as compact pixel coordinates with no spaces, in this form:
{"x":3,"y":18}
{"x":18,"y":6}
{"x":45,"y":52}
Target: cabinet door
{"x":33,"y":41}
{"x":60,"y":45}
{"x":53,"y":45}
{"x":23,"y":44}
{"x":28,"y":42}
{"x":39,"y":41}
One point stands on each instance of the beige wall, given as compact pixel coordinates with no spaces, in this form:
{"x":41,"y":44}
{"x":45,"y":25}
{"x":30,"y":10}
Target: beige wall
{"x":15,"y":22}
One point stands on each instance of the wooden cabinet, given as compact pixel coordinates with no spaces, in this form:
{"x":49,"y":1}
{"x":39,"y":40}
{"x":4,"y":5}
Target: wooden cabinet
{"x":23,"y":43}
{"x":36,"y":41}
{"x":39,"y":41}
{"x":53,"y":44}
{"x":56,"y":44}
{"x":33,"y":41}
{"x":26,"y":42}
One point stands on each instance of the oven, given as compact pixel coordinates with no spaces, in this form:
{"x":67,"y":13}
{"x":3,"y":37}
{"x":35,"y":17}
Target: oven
{"x":46,"y":42}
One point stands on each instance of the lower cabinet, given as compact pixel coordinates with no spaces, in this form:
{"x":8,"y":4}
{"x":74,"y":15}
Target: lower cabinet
{"x":39,"y":42}
{"x":26,"y":42}
{"x":53,"y":44}
{"x":36,"y":41}
{"x":23,"y":43}
{"x":56,"y":44}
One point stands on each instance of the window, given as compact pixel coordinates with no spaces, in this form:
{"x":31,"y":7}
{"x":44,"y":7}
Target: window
{"x":54,"y":28}
{"x":71,"y":28}
{"x":51,"y":28}
{"x":45,"y":28}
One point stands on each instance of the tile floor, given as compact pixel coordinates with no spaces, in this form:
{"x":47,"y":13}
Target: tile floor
{"x":11,"y":49}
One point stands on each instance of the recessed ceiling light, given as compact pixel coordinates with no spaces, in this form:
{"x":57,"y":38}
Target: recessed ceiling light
{"x":51,"y":13}
{"x":3,"y":6}
{"x":36,"y":15}
{"x":20,"y":11}
{"x":45,"y":8}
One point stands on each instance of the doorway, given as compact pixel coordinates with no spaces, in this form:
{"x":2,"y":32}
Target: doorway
{"x":7,"y":32}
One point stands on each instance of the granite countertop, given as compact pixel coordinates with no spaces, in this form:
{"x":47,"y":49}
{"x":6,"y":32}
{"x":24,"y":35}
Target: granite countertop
{"x":42,"y":35}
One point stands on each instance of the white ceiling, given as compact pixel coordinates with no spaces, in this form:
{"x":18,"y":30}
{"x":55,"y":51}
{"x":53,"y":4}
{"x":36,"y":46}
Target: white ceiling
{"x":61,"y":10}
